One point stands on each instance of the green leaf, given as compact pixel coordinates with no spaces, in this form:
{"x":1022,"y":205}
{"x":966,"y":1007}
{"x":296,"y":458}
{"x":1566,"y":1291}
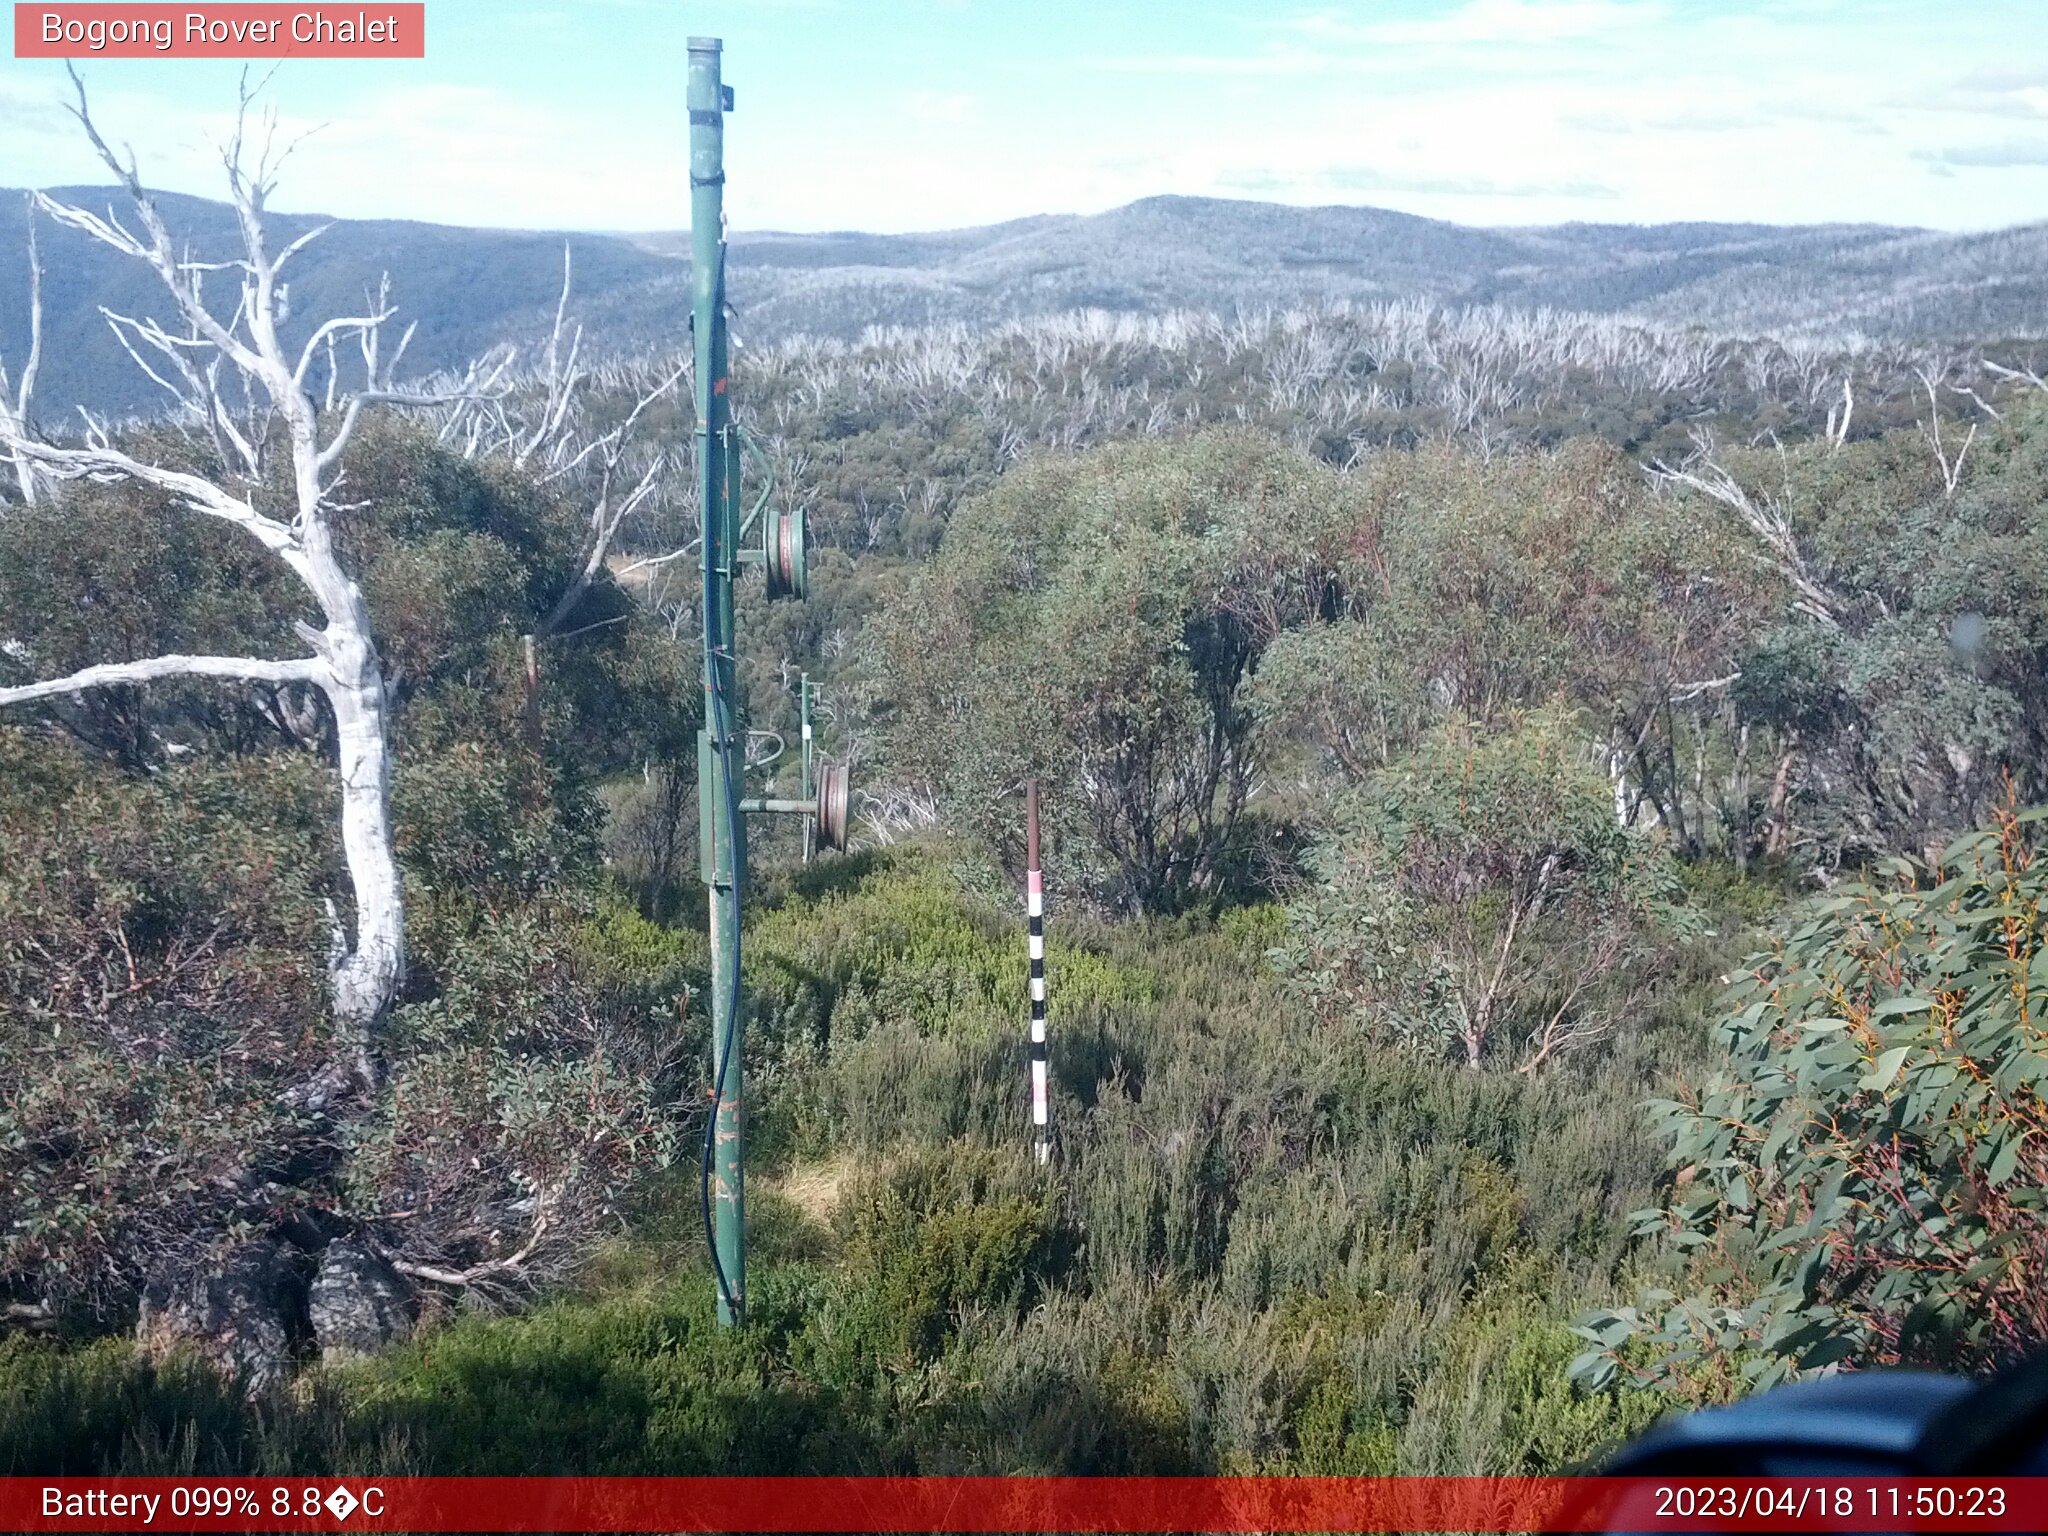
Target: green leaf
{"x":2006,"y":1159}
{"x":1886,"y":1068}
{"x":1593,"y":1371}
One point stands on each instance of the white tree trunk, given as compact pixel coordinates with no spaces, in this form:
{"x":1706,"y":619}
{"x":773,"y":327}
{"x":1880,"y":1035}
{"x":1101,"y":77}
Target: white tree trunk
{"x":366,"y":976}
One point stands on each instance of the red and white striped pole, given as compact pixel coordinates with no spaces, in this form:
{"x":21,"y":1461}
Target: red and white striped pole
{"x":1034,"y":913}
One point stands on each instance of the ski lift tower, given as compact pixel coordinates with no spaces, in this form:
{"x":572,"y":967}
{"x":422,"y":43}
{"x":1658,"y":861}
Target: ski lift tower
{"x":721,"y":446}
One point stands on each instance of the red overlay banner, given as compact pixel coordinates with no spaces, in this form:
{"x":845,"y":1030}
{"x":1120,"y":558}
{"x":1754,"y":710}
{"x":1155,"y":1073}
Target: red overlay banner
{"x":235,"y":31}
{"x":1005,"y":1504}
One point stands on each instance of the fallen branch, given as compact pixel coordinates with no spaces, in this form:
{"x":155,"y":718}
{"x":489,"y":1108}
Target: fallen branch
{"x":489,"y":1269}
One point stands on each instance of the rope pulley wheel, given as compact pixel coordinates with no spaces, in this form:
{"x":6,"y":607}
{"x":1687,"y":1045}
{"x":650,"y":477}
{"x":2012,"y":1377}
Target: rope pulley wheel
{"x":784,"y":555}
{"x":833,"y":795}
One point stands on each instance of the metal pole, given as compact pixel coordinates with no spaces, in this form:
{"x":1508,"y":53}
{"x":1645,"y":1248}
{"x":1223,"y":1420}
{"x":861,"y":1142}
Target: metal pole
{"x":807,"y":790}
{"x":720,"y":757}
{"x":1034,"y":916}
{"x":772,"y":806}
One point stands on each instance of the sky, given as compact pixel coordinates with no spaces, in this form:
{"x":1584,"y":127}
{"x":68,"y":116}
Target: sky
{"x":897,"y":115}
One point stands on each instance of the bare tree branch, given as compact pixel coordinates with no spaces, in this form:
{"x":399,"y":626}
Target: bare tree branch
{"x":248,"y":669}
{"x":489,"y":1269}
{"x":328,"y":330}
{"x":1951,"y":472}
{"x":2017,"y":375}
{"x":29,"y":368}
{"x":1838,"y":430}
{"x":544,"y":431}
{"x":101,"y":461}
{"x":301,"y":243}
{"x":1692,"y":691}
{"x":1771,"y":527}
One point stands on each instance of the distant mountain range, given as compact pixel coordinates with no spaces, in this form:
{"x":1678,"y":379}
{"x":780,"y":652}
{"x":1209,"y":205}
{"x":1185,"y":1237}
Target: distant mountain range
{"x":470,"y":288}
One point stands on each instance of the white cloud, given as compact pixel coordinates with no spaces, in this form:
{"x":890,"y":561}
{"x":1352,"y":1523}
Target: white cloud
{"x":1490,"y":23}
{"x":2011,"y":152}
{"x":940,"y":108}
{"x":1271,"y":61}
{"x":1486,"y":111}
{"x":435,"y":152}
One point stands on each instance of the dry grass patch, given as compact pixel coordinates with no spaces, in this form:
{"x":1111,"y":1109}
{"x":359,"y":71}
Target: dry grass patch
{"x":817,"y":1189}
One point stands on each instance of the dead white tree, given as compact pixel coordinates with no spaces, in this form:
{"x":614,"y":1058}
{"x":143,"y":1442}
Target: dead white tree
{"x":1764,"y":519}
{"x":2026,"y":376}
{"x":14,"y":413}
{"x":615,"y":494}
{"x":542,"y":424}
{"x":1838,"y":426}
{"x":1951,"y":469}
{"x":196,"y":363}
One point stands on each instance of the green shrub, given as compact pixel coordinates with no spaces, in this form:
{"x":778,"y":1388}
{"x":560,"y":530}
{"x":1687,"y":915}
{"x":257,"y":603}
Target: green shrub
{"x":1267,"y":1247}
{"x":943,"y":1229}
{"x":1478,"y":898}
{"x":1865,"y":1183}
{"x":91,"y":1408}
{"x":160,"y":986}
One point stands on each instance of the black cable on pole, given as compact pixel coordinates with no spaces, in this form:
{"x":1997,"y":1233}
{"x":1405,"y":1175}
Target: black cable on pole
{"x":721,"y":1049}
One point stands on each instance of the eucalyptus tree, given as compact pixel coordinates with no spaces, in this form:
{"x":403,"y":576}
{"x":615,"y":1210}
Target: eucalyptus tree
{"x":1093,"y":620}
{"x":1891,"y":672}
{"x":1469,"y":588}
{"x":1476,"y":898}
{"x":1862,"y":1182}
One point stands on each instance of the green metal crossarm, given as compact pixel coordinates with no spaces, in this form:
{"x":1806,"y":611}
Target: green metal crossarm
{"x":768,"y":472}
{"x":779,"y":807}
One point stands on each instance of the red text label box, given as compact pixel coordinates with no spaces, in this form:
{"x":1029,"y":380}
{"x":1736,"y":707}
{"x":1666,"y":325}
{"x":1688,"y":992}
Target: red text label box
{"x":236,"y":31}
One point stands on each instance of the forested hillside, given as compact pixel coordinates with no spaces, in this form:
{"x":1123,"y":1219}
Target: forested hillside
{"x":1542,"y":885}
{"x":1828,"y":285}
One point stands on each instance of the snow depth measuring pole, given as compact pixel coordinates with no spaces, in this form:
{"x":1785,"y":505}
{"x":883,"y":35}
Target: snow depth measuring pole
{"x":721,"y":445}
{"x":1034,"y":923}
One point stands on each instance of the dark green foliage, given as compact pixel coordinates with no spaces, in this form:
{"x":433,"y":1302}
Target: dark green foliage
{"x":1892,"y":726}
{"x":486,"y":821}
{"x":1322,"y":625}
{"x":163,"y":897}
{"x":1864,"y":1185}
{"x":120,"y":573}
{"x":1467,"y":590}
{"x":1267,"y":1249}
{"x":947,"y":1229}
{"x":160,"y":985}
{"x":1479,"y":896}
{"x":1160,"y":625}
{"x":82,"y":1409}
{"x":1092,"y":621}
{"x":457,"y":561}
